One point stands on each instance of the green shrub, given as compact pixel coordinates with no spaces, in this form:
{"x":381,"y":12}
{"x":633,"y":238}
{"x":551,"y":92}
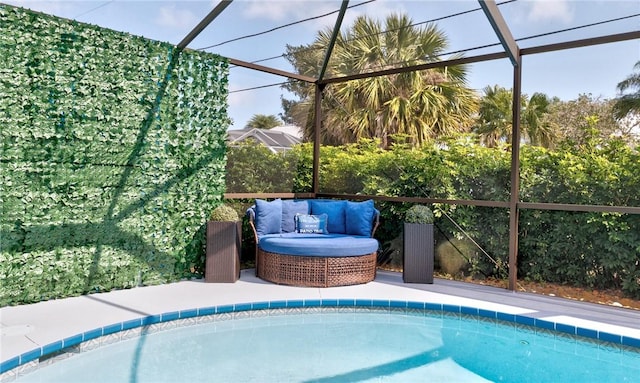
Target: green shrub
{"x":224,"y":213}
{"x":418,"y":214}
{"x":453,"y":257}
{"x":596,"y":250}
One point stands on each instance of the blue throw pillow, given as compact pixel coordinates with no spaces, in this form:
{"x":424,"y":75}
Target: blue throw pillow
{"x":335,"y":211}
{"x":311,"y":224}
{"x":268,"y":216}
{"x":290,"y":208}
{"x":359,"y":217}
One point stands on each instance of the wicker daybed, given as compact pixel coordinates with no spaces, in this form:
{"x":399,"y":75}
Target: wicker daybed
{"x":315,"y":243}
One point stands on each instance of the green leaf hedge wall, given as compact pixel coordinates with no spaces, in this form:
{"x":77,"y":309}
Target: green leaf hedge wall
{"x":113,"y":155}
{"x":593,"y":250}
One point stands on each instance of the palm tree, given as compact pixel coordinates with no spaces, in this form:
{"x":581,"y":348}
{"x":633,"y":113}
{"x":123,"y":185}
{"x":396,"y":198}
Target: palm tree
{"x":538,"y":129}
{"x":419,"y":105}
{"x":263,"y":121}
{"x":495,"y":117}
{"x":628,"y":103}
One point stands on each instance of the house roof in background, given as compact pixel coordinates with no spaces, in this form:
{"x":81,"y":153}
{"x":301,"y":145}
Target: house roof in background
{"x":276,"y":139}
{"x":291,"y":130}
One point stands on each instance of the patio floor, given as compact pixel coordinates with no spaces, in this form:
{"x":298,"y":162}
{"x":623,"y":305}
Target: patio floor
{"x":27,"y":327}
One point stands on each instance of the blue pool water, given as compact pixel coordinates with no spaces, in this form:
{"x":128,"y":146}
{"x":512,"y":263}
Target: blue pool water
{"x":367,"y":346}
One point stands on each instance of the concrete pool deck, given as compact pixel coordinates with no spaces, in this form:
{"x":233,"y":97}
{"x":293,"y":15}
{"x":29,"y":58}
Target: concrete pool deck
{"x":28,"y":327}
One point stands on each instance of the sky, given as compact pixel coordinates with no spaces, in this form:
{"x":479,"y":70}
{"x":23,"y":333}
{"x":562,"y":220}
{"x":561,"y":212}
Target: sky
{"x":591,"y":70}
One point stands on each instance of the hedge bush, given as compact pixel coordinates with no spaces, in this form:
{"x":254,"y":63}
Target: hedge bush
{"x":113,"y":156}
{"x":598,"y":250}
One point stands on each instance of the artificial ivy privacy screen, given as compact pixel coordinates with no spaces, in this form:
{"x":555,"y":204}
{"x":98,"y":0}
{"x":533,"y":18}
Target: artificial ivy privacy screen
{"x":112,"y":156}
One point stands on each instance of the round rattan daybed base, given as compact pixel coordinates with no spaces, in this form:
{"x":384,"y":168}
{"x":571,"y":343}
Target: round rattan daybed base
{"x":309,"y":271}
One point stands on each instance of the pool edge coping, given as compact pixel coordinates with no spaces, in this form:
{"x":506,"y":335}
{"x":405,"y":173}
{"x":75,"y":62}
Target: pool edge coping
{"x":74,"y":340}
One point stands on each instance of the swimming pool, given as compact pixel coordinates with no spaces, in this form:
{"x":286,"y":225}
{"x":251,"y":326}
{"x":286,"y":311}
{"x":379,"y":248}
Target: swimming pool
{"x":342,"y":344}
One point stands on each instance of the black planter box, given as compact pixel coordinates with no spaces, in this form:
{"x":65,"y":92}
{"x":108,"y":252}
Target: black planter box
{"x":418,"y":254}
{"x":222,"y":263}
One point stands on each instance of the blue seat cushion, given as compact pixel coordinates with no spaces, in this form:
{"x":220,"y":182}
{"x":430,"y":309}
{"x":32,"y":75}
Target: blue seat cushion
{"x":268,"y":216}
{"x":335,"y":210}
{"x":359,"y":217}
{"x":319,"y":245}
{"x":289,"y":210}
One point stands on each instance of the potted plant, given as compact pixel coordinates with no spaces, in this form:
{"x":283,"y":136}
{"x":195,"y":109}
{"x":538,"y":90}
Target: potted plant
{"x":418,"y":245}
{"x":223,"y":243}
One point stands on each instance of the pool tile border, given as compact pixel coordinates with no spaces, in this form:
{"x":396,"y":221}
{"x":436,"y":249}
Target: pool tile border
{"x":154,"y":323}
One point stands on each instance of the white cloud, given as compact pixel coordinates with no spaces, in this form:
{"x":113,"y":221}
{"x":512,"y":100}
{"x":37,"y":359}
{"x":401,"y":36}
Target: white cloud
{"x":171,"y":17}
{"x":270,"y":10}
{"x":551,"y":10}
{"x":378,"y":10}
{"x":285,"y":11}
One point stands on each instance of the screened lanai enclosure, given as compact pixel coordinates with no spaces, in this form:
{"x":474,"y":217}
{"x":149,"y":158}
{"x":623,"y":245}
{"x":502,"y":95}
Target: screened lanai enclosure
{"x":516,"y":122}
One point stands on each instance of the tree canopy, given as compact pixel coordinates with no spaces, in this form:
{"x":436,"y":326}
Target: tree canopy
{"x":419,"y":105}
{"x":629,"y":102}
{"x":627,"y":106}
{"x":495,"y":117}
{"x":263,"y":121}
{"x":586,"y":117}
